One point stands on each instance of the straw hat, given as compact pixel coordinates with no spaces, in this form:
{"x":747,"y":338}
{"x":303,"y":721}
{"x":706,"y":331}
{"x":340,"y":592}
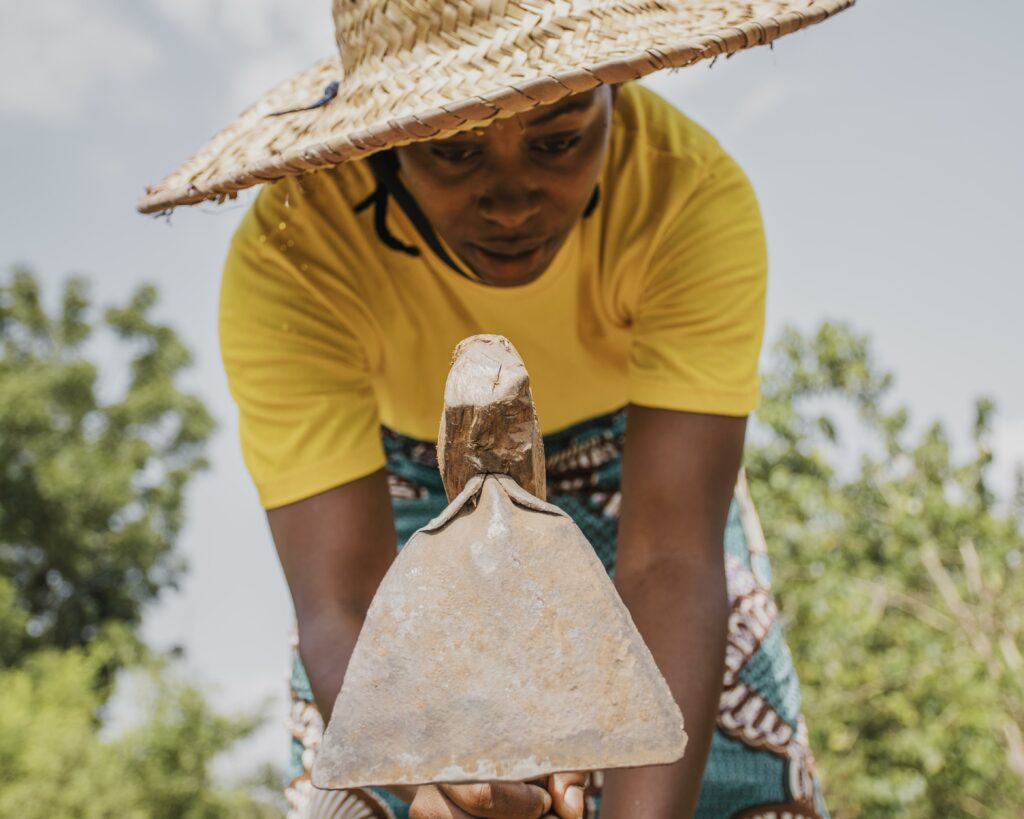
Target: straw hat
{"x":412,"y":70}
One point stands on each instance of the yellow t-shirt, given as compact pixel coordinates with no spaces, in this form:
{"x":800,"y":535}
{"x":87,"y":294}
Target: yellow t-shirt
{"x":656,"y":298}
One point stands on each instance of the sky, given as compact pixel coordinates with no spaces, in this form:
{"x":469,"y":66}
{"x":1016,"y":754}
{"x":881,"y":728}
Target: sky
{"x":885,"y":147}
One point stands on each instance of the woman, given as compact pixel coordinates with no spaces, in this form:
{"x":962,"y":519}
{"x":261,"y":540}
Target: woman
{"x":516,"y":187}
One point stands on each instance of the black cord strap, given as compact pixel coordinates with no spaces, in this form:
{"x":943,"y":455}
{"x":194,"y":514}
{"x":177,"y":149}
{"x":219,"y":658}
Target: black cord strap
{"x":330,"y":92}
{"x":385,"y":169}
{"x":379,"y":200}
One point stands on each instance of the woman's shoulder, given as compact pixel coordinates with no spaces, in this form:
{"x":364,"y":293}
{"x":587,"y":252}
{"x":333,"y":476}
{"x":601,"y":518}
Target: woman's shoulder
{"x":669,"y":191}
{"x":329,"y":197}
{"x":659,"y":160}
{"x":647,"y":123}
{"x":305,"y":223}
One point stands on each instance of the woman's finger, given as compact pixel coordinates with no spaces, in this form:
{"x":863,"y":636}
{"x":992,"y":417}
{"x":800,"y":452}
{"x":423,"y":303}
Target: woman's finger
{"x":431,"y":803}
{"x":500,"y":800}
{"x":566,"y":791}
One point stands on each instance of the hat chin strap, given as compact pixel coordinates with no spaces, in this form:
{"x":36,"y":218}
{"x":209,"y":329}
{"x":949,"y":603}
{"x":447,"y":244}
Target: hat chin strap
{"x":379,"y":200}
{"x":385,"y":170}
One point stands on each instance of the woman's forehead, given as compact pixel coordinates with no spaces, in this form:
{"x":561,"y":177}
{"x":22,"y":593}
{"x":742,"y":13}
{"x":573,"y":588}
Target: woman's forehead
{"x":577,"y":102}
{"x":546,"y":114}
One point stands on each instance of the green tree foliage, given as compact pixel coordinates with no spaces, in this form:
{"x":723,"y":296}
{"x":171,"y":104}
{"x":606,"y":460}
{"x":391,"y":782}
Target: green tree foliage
{"x":91,"y":489}
{"x":91,"y":502}
{"x":899,"y":574}
{"x":52,"y":764}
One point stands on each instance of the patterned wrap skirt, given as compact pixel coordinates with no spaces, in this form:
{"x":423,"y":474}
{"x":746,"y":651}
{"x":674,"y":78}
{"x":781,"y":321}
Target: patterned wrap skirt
{"x":760,"y":765}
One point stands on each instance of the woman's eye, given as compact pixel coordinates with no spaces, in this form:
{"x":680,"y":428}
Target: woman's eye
{"x":561,"y":145}
{"x":454,"y":155}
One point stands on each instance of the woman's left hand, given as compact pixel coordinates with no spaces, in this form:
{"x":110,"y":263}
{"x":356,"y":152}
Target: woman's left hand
{"x":562,"y":796}
{"x":566,"y":791}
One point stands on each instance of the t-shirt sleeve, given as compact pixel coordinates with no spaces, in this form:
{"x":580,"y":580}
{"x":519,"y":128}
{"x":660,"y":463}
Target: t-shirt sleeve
{"x":296,"y":367}
{"x":699,"y":319}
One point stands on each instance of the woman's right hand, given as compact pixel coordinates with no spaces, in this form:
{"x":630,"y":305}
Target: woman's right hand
{"x":563,"y":799}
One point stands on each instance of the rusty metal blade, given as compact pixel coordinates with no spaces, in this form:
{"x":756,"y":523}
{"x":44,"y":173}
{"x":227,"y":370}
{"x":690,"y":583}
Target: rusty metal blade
{"x":497,"y":649}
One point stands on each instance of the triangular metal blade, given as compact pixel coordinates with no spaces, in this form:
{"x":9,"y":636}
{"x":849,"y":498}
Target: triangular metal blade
{"x":497,"y":648}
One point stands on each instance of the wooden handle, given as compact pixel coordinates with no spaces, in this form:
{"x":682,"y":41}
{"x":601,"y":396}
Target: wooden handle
{"x":489,"y":424}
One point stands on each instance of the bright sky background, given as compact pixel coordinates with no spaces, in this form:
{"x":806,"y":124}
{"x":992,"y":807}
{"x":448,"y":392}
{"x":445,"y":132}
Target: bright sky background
{"x":886,"y":147}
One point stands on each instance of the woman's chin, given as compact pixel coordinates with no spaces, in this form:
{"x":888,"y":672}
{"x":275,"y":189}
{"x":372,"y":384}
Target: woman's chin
{"x":510,"y":271}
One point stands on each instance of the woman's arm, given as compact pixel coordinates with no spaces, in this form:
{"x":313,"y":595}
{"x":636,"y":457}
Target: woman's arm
{"x":335,"y":548}
{"x":679,"y":471}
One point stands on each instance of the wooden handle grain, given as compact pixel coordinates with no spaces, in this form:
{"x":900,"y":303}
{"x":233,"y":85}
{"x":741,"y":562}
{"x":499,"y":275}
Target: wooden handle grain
{"x":489,"y":424}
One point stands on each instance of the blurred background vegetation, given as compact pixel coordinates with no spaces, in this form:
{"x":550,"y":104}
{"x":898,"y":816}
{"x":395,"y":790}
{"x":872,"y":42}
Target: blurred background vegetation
{"x":91,"y":493}
{"x":897,"y":570}
{"x":898,"y":573}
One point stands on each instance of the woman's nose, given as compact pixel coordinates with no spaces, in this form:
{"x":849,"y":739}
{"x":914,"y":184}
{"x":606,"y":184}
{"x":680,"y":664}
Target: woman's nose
{"x":511,"y":204}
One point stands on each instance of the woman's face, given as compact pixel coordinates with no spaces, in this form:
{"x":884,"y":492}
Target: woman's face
{"x":505,"y":197}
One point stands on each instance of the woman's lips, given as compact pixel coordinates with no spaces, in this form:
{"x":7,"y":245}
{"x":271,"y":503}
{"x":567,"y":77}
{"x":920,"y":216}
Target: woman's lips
{"x":510,"y":264}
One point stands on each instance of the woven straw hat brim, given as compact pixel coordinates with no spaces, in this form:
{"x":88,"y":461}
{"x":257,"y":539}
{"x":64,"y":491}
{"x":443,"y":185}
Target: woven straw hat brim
{"x":417,"y":86}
